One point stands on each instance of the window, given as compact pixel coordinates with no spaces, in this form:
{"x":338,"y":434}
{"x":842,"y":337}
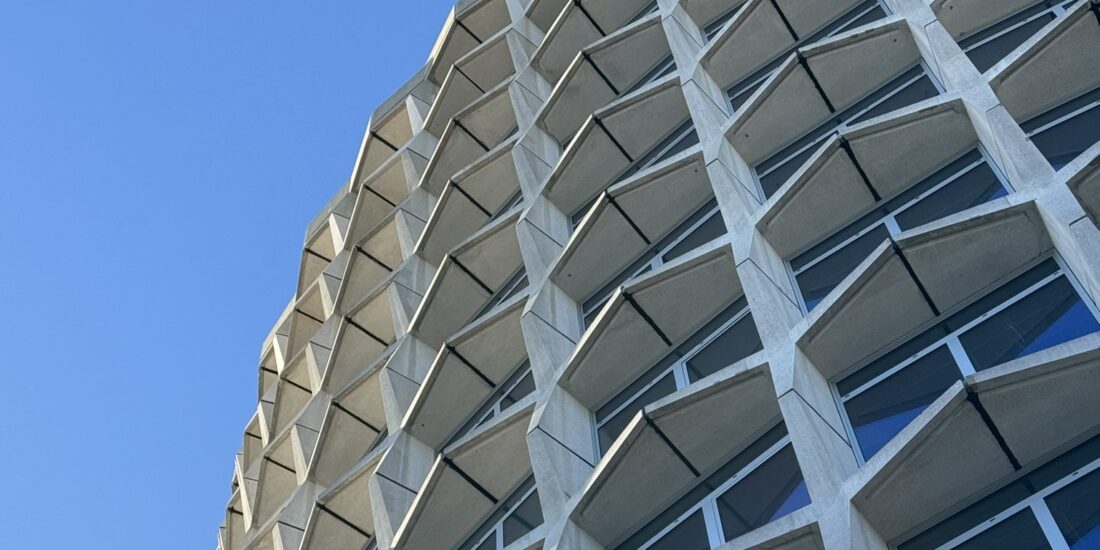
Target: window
{"x":649,"y":9}
{"x":912,"y":87}
{"x":1066,"y":131}
{"x":1054,"y":506}
{"x":678,"y":141}
{"x":519,"y":385}
{"x":701,"y":228}
{"x":730,"y":337}
{"x":663,"y":68}
{"x":988,"y":46}
{"x":1039,"y":309}
{"x":515,"y":284}
{"x":964,"y":183}
{"x":759,"y":485}
{"x":508,"y":205}
{"x":520,"y":514}
{"x":711,"y":29}
{"x":862,"y":14}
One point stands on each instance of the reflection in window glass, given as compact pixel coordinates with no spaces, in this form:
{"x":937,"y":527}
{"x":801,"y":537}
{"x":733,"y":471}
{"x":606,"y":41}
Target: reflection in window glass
{"x":689,"y":535}
{"x":770,"y":492}
{"x":879,"y":413}
{"x":1036,"y":310}
{"x":513,"y":518}
{"x":1065,"y":489}
{"x":1019,"y":532}
{"x":1063,"y":133}
{"x":1076,"y":509}
{"x":759,"y":485}
{"x":963,"y":183}
{"x":1047,"y":317}
{"x":988,"y":46}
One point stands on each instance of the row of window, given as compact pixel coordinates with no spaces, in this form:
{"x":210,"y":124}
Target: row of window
{"x":757,"y":486}
{"x":1056,"y":506}
{"x":702,"y":227}
{"x":516,"y":516}
{"x":863,"y":14}
{"x":677,"y":141}
{"x":1036,"y":310}
{"x":913,"y":86}
{"x":728,"y":338}
{"x":988,"y":46}
{"x":969,"y":181}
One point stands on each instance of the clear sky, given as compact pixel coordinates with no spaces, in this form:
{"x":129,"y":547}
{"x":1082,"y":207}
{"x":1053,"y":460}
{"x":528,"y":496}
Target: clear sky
{"x":159,"y":162}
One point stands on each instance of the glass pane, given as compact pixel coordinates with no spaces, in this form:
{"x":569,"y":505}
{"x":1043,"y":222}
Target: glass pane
{"x":989,"y":53}
{"x":709,"y":230}
{"x":711,"y":29}
{"x":978,"y":186}
{"x":526,"y":517}
{"x":738,"y":96}
{"x":969,"y":518}
{"x":524,"y":388}
{"x":1047,"y":317}
{"x":1076,"y":509}
{"x":925,"y":340}
{"x":817,"y":281}
{"x":662,"y":69}
{"x":914,"y":92}
{"x":1004,"y":293}
{"x":775,"y":179}
{"x":615,"y":425}
{"x":691,"y":534}
{"x":736,"y":343}
{"x":1019,"y":532}
{"x":1063,"y":143}
{"x":770,"y":492}
{"x":879,"y":413}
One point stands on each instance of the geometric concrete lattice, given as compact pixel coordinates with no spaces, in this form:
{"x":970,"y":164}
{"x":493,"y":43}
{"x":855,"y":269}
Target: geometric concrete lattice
{"x":700,"y":274}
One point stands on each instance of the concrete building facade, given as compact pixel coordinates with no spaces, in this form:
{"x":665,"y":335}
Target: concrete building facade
{"x":683,"y":274}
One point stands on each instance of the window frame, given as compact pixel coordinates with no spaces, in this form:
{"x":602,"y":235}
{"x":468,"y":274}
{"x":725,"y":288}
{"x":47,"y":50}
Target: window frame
{"x":836,"y":26}
{"x":492,"y":403}
{"x":654,"y":156}
{"x":518,"y":496}
{"x":843,"y":120}
{"x":1003,"y":27}
{"x":709,"y":503}
{"x":1035,"y":503}
{"x":1093,"y":97}
{"x":655,"y":255}
{"x":890,"y":220}
{"x":951,"y":340}
{"x":678,"y":369}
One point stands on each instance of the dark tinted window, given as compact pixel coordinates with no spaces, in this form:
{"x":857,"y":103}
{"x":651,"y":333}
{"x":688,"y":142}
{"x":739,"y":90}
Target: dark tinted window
{"x":609,"y":431}
{"x":769,"y":492}
{"x":736,"y":343}
{"x":1047,"y":317}
{"x":1019,"y":532}
{"x":817,"y":281}
{"x":524,"y":519}
{"x":883,"y":410}
{"x":1076,"y":509}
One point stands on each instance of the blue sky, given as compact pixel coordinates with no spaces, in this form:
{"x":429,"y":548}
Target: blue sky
{"x":159,"y":162}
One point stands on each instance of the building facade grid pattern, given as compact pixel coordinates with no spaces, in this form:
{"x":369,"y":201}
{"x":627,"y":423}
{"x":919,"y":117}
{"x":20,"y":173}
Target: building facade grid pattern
{"x":702,"y":274}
